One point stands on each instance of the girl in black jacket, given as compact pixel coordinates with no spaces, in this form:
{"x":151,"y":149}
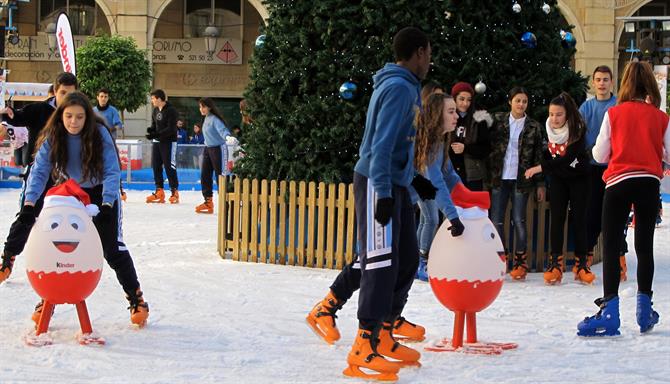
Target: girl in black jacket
{"x":566,"y":161}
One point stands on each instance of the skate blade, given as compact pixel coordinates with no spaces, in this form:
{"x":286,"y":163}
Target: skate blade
{"x":355,"y":371}
{"x":552,"y":282}
{"x":90,"y":339}
{"x":600,"y":333}
{"x":139,"y":325}
{"x":317,"y":331}
{"x":406,"y":339}
{"x":33,"y":340}
{"x":521,"y":278}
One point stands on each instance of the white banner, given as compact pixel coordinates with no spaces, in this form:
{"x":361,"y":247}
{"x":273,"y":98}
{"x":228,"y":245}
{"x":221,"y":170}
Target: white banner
{"x":3,"y":79}
{"x":66,"y":44}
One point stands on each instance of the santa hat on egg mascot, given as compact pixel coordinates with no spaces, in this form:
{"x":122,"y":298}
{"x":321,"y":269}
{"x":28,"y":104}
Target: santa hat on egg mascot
{"x":470,"y":204}
{"x":70,"y":194}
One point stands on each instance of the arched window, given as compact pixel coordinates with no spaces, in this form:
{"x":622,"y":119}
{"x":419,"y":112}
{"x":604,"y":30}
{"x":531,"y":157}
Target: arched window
{"x":198,"y":16}
{"x":83,"y":14}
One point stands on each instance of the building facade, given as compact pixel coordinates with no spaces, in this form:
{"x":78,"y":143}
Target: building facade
{"x":172,"y":32}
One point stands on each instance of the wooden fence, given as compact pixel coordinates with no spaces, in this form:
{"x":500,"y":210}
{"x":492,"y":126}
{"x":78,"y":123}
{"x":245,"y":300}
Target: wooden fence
{"x":313,"y":224}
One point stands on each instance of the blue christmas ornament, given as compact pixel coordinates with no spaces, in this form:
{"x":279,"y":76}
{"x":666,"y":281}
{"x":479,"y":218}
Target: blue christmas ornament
{"x":568,"y":40}
{"x":529,"y":40}
{"x":260,"y":41}
{"x":348,"y":90}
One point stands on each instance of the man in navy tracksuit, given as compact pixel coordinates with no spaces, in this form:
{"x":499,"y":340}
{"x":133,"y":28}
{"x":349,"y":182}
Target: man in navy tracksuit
{"x":387,"y":242}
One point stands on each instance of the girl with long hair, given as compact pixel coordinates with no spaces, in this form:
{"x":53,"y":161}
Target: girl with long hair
{"x":635,"y":140}
{"x":431,"y":160}
{"x":215,"y":156}
{"x":76,"y":145}
{"x":566,"y":161}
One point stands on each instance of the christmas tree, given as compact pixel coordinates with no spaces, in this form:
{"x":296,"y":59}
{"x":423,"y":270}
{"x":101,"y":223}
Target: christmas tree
{"x":509,"y":43}
{"x":304,"y":129}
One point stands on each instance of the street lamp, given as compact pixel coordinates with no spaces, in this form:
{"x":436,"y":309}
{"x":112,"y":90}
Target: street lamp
{"x":211,"y":34}
{"x":51,"y":36}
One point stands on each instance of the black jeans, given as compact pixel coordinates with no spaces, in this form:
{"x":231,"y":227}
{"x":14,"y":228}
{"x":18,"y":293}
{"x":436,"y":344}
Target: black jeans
{"x":562,"y":192}
{"x":164,"y":155}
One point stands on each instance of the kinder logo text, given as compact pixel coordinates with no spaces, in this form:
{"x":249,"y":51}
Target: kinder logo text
{"x":64,"y":265}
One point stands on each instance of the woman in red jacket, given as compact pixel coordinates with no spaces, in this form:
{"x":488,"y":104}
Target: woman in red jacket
{"x":633,"y":138}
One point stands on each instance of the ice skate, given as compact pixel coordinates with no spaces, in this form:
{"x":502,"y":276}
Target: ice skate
{"x":174,"y":197}
{"x":422,"y":271}
{"x":364,"y":355}
{"x":206,"y":207}
{"x":7,"y":265}
{"x":554,"y":273}
{"x":123,"y":196}
{"x":404,"y":330}
{"x":139,"y":309}
{"x":520,"y":268}
{"x":582,"y":271}
{"x":391,"y":349}
{"x":37,"y":313}
{"x":322,"y":318}
{"x":646,"y":316}
{"x":604,"y":323}
{"x":157,"y":197}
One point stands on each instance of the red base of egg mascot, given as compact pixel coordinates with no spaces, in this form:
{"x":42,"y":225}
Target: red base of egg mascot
{"x":466,"y":272}
{"x":64,"y":254}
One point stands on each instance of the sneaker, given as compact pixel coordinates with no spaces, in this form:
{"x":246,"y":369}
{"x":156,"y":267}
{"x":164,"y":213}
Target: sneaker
{"x":206,"y":207}
{"x":646,"y":316}
{"x":405,"y":330}
{"x":174,"y":198}
{"x":322,"y":318}
{"x":139,"y":309}
{"x":604,"y":323}
{"x":364,"y":354}
{"x":520,"y":268}
{"x":7,"y":265}
{"x":157,"y":197}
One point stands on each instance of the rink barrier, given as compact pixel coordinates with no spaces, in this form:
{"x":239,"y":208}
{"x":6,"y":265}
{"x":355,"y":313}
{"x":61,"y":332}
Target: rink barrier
{"x":313,"y":224}
{"x":286,"y":222}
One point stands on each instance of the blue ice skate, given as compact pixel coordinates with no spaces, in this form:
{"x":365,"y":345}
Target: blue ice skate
{"x":646,"y":316}
{"x":604,"y":323}
{"x":422,"y":271}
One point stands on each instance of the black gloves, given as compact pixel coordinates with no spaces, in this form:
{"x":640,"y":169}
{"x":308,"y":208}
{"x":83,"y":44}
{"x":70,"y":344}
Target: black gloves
{"x":27,"y":215}
{"x":456,"y":227}
{"x":423,"y":187}
{"x":384,"y":210}
{"x":151,"y":134}
{"x":105,"y":214}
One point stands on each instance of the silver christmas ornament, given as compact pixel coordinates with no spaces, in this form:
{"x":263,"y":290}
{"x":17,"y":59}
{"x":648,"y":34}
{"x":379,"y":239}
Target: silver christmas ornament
{"x":546,"y":8}
{"x":480,"y":87}
{"x":516,"y":8}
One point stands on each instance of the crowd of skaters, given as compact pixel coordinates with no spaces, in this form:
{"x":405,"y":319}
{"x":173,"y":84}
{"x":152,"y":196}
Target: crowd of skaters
{"x":582,"y":155}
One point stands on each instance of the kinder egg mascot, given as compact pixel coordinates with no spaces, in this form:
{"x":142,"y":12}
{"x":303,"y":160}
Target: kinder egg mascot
{"x":466,"y":272}
{"x":64,"y":255}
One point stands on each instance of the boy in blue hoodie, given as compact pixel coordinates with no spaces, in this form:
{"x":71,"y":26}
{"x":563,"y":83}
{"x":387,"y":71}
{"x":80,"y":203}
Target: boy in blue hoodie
{"x":388,"y":250}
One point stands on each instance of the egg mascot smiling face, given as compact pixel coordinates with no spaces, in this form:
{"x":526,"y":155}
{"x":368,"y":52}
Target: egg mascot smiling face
{"x":466,"y":272}
{"x":63,"y":251}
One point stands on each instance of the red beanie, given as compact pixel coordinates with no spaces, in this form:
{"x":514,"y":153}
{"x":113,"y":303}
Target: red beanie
{"x":462,"y":86}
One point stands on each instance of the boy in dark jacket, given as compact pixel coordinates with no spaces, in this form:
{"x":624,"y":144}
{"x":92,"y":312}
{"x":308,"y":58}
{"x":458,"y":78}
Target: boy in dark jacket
{"x":163,"y":133}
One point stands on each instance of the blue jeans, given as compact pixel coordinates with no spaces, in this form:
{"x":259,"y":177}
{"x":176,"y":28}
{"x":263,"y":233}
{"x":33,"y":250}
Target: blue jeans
{"x":425,"y":232}
{"x":499,"y":198}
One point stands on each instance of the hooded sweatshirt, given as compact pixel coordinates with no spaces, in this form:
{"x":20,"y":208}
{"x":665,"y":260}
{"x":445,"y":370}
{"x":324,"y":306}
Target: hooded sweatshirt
{"x":387,"y":150}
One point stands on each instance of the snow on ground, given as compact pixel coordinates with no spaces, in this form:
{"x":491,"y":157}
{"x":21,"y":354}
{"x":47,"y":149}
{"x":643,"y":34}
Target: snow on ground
{"x":215,"y":320}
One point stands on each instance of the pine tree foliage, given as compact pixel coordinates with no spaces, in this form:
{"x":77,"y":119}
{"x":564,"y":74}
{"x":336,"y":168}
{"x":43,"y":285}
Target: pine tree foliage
{"x":303,"y":130}
{"x":484,"y":42}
